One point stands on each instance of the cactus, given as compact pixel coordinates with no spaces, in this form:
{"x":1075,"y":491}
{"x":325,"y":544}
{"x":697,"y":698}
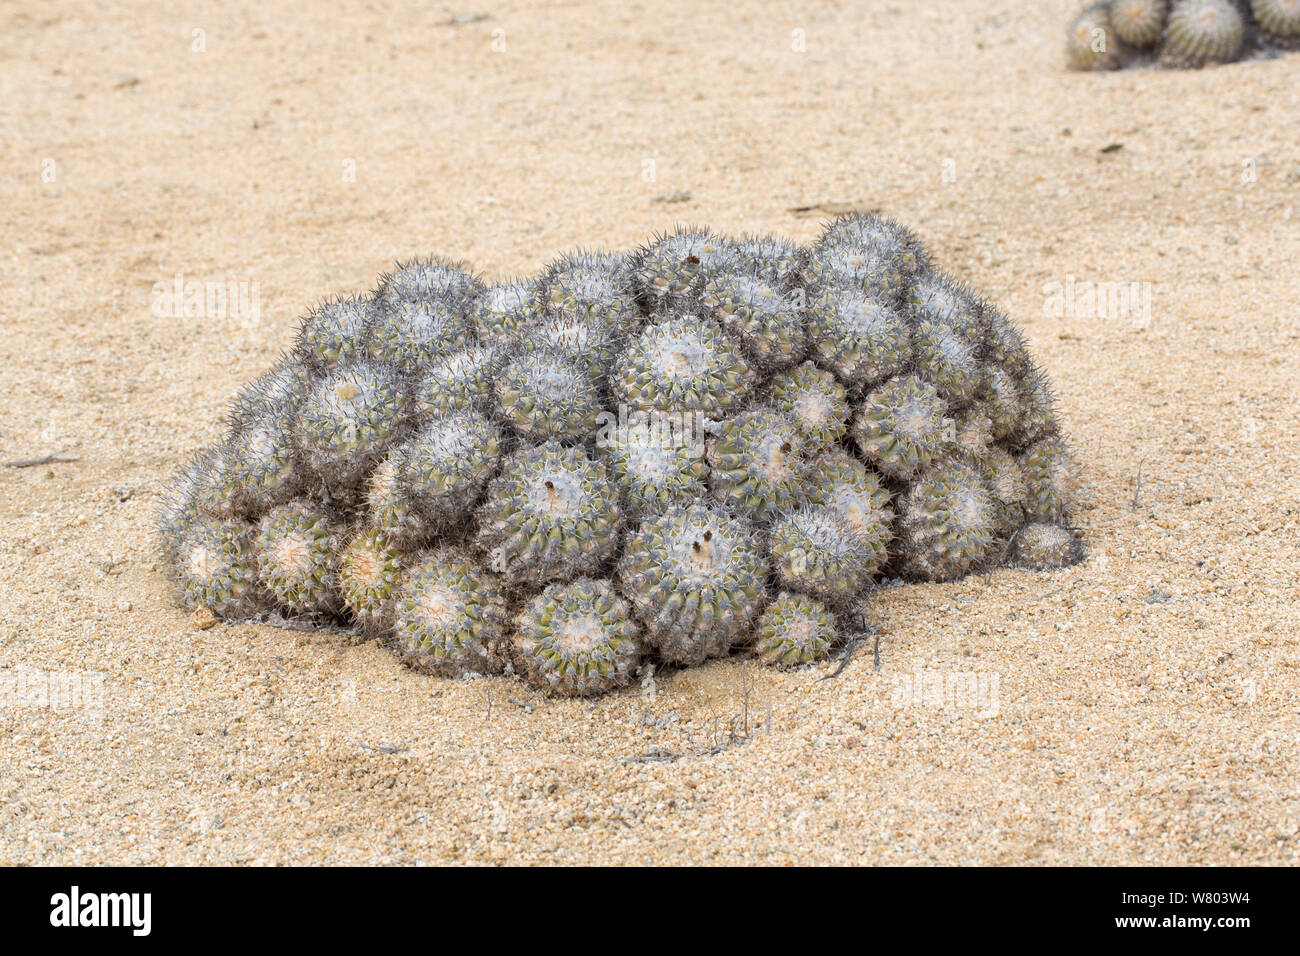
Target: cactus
{"x":1091,"y":41}
{"x":448,"y":616}
{"x":1138,"y":22}
{"x":795,"y":629}
{"x":1279,"y":22}
{"x":578,"y":639}
{"x":708,"y":445}
{"x":1202,"y":31}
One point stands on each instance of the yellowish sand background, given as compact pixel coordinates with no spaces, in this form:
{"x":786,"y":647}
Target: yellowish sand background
{"x":1146,"y":701}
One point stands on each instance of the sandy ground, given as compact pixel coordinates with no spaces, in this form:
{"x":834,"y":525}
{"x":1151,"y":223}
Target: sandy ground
{"x":1139,"y":708}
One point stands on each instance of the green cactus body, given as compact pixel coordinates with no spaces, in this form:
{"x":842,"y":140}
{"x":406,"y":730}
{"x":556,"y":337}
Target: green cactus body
{"x":815,"y":401}
{"x":503,"y":311}
{"x":947,"y":523}
{"x":296,"y":549}
{"x":771,"y":258}
{"x":794,"y":630}
{"x":259,"y":470}
{"x":1091,"y":42}
{"x":842,"y":483}
{"x":862,"y":338}
{"x":411,"y":334}
{"x":1050,"y":482}
{"x":1138,"y":22}
{"x":868,"y":231}
{"x":547,"y":394}
{"x":1045,"y":547}
{"x":817,"y":551}
{"x":369,"y":568}
{"x":350,"y":419}
{"x":683,"y":364}
{"x":577,"y":640}
{"x":1279,"y":22}
{"x":461,"y":381}
{"x":756,"y":313}
{"x":217,"y":567}
{"x":694,"y":576}
{"x":1199,"y":32}
{"x":444,"y":466}
{"x":758,"y":462}
{"x":448,"y":615}
{"x":551,"y":515}
{"x":336,"y":332}
{"x":668,"y":270}
{"x":902,"y":426}
{"x":433,"y":281}
{"x":1007,"y":484}
{"x":656,"y":460}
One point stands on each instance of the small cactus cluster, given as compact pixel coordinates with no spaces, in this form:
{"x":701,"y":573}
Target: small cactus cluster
{"x":706,"y":445}
{"x":1179,"y":34}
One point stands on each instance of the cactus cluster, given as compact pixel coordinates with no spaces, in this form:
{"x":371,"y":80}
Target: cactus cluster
{"x":706,"y":445}
{"x":1113,"y":34}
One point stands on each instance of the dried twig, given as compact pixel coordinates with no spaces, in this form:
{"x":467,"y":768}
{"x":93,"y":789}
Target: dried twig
{"x":1137,"y":492}
{"x":45,"y":460}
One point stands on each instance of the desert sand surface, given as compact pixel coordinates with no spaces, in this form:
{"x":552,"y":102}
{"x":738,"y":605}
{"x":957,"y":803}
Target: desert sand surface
{"x":1142,"y":707}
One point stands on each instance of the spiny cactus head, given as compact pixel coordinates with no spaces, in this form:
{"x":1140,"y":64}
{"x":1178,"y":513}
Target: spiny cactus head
{"x":585,"y":338}
{"x":577,"y":640}
{"x":551,"y":515}
{"x":695,"y":578}
{"x":815,"y":401}
{"x":279,"y":391}
{"x":843,"y":484}
{"x":336,"y":332}
{"x":217,"y":567}
{"x":1044,"y":547}
{"x":1279,"y":22}
{"x":861,"y":337}
{"x":593,"y":286}
{"x":503,"y":310}
{"x":871,"y":231}
{"x":817,"y":551}
{"x":758,"y":314}
{"x":669,"y":269}
{"x":369,"y":568}
{"x":411,"y":333}
{"x":350,"y":418}
{"x":1006,"y":482}
{"x":544,"y":393}
{"x":1199,"y":32}
{"x":1091,"y":42}
{"x":195,"y":492}
{"x":656,"y":459}
{"x":948,"y":522}
{"x":758,"y":462}
{"x":428,"y":281}
{"x":794,"y":630}
{"x":296,"y":548}
{"x":443,"y":467}
{"x":902,"y":426}
{"x":771,"y":258}
{"x":461,"y":381}
{"x":832,"y":266}
{"x":1051,"y":480}
{"x":1138,"y":22}
{"x":683,"y":364}
{"x":448,"y":616}
{"x":259,"y":470}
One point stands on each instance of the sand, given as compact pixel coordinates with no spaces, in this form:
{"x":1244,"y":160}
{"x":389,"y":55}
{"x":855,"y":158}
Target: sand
{"x":1138,"y":708}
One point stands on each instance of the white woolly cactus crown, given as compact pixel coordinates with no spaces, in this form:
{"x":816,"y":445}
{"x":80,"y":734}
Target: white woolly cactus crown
{"x":707,"y":446}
